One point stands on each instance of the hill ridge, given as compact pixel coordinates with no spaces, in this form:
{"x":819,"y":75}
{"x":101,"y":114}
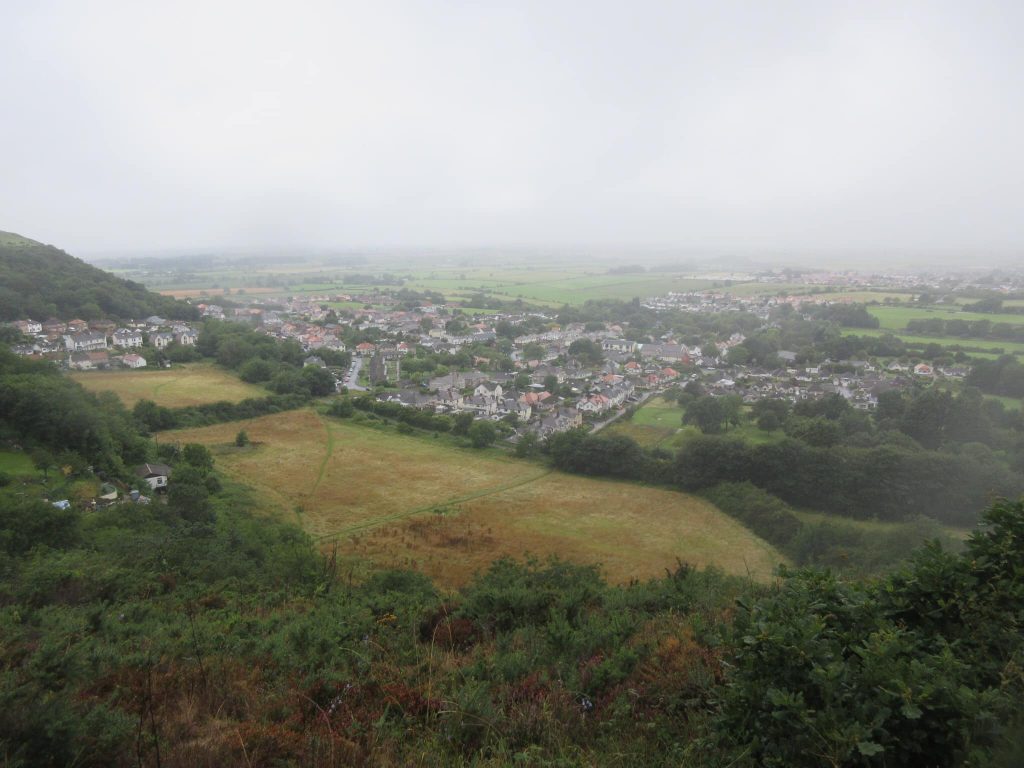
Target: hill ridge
{"x":40,"y":281}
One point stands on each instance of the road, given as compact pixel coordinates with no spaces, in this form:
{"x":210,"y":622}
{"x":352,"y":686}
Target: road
{"x":353,"y":376}
{"x":619,"y":414}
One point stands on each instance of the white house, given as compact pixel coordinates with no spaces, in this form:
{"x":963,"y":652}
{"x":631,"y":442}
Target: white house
{"x":85,"y":341}
{"x":155,"y":475}
{"x":134,"y":361}
{"x":126,"y":338}
{"x":160,"y":340}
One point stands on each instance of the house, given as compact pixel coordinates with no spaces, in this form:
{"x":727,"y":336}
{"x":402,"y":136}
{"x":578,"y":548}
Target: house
{"x":88,"y":361}
{"x":133,"y":361}
{"x":77,"y":325}
{"x":156,"y":475}
{"x":485,"y":406}
{"x":518,"y":407}
{"x":315,"y":361}
{"x":534,"y":399}
{"x":489,"y":391}
{"x":161,"y":340}
{"x":669,"y":353}
{"x":450,"y":398}
{"x":619,"y":345}
{"x":365,"y":349}
{"x":54,"y":327}
{"x":594,"y":404}
{"x":28,"y":327}
{"x":410,"y":398}
{"x":125,"y":338}
{"x":84,"y":341}
{"x":923,"y":369}
{"x":187,"y":338}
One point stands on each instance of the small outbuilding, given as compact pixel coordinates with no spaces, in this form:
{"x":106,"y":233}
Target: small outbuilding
{"x":156,"y":475}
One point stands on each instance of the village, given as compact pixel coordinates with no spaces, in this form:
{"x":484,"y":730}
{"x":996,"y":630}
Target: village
{"x":445,"y":359}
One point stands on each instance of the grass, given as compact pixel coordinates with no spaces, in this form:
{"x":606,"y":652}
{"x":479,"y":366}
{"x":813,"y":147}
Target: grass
{"x":871,"y":526}
{"x":896,"y":318}
{"x":1011,"y":403}
{"x":17,"y":464}
{"x":11,"y":238}
{"x":659,"y":423}
{"x":179,"y":386}
{"x":986,"y":345}
{"x":415,"y":502}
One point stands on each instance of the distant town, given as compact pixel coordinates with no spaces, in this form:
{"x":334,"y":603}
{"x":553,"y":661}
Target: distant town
{"x":529,"y":367}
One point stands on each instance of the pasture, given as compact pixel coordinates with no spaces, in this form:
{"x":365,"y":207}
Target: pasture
{"x":989,"y":346}
{"x":896,"y":318}
{"x":176,"y":387}
{"x":414,"y":502}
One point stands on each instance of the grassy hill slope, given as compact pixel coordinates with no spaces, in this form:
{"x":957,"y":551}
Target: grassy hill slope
{"x":42,"y":281}
{"x":414,"y":503}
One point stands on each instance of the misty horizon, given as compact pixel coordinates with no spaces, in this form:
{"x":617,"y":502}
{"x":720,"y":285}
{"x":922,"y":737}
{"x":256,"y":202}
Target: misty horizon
{"x":796,"y":133}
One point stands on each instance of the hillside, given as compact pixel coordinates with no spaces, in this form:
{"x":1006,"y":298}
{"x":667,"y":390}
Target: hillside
{"x":453,"y":512}
{"x":42,"y":281}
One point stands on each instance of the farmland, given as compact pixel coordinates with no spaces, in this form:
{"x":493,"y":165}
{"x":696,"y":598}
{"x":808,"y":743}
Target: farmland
{"x":541,"y":283}
{"x":896,"y":318}
{"x":990,"y":346}
{"x":409,"y":501}
{"x":180,"y":386}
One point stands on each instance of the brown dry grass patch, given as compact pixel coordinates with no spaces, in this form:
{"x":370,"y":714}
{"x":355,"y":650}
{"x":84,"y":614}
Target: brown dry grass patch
{"x":214,"y":293}
{"x":176,"y":387}
{"x":411,"y":502}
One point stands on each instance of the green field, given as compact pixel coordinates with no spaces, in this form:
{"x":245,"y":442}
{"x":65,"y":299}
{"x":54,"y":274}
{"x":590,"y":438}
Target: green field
{"x":17,"y":464}
{"x":896,"y":318}
{"x":659,"y":423}
{"x":410,"y":501}
{"x":542,"y":283}
{"x":1010,"y":403}
{"x":987,"y":345}
{"x":179,"y":386}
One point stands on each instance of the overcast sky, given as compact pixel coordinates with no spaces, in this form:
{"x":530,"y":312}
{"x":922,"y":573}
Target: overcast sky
{"x":843,"y":126}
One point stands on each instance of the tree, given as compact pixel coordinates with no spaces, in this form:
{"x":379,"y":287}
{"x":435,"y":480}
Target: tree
{"x":533,"y":351}
{"x":528,"y":445}
{"x":189,"y":498}
{"x":462,"y":422}
{"x":707,"y":413}
{"x":43,"y":461}
{"x":587,"y":351}
{"x":242,"y":439}
{"x":197,"y":456}
{"x":318,"y":381}
{"x":482,"y":434}
{"x":256,"y":370}
{"x":732,"y":408}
